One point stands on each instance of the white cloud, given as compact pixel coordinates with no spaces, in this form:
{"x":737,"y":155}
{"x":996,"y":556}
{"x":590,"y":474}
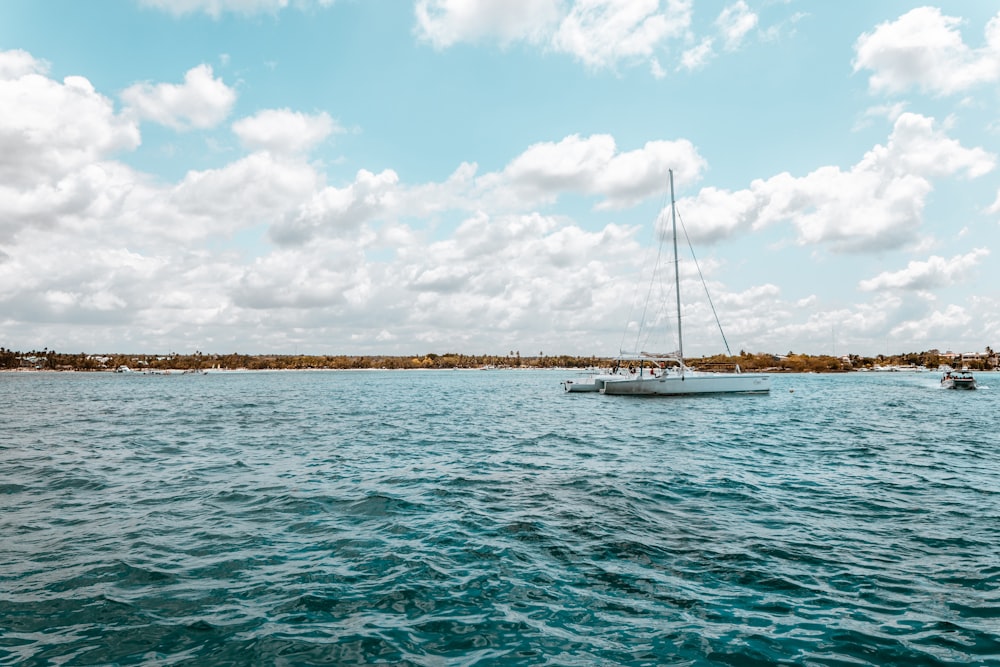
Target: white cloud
{"x":714,"y":214}
{"x":216,"y":8}
{"x":995,"y":206}
{"x":810,"y":300}
{"x":593,"y":166}
{"x":656,"y":69}
{"x":303,"y":278}
{"x":48,"y":130}
{"x":56,"y":173}
{"x":602,"y":33}
{"x":76,"y":201}
{"x":924,"y":49}
{"x":446,"y":22}
{"x":917,"y":147}
{"x":698,"y":56}
{"x":599,"y":33}
{"x":284,"y":130}
{"x":510,"y":271}
{"x":337,"y":212}
{"x":260,"y":188}
{"x":785,"y":27}
{"x":933,"y":273}
{"x":876,"y":205}
{"x":202,"y":101}
{"x":734,"y":23}
{"x":811,"y":326}
{"x":890,"y":112}
{"x":284,"y":192}
{"x":935,"y":326}
{"x":17,"y":63}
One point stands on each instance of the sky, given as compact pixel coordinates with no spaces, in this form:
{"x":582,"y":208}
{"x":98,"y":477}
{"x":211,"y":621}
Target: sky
{"x":403,"y":177}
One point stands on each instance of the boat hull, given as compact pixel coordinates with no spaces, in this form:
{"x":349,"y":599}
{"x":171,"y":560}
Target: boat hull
{"x":690,"y":383}
{"x":589,"y":385}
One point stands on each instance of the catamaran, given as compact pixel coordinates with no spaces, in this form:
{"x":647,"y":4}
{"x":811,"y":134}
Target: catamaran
{"x":650,"y":374}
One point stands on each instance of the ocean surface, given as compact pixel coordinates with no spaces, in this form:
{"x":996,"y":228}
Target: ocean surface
{"x":486,"y":517}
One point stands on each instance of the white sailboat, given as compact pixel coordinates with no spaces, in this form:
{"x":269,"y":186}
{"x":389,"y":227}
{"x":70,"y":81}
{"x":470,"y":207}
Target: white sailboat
{"x":667,"y":374}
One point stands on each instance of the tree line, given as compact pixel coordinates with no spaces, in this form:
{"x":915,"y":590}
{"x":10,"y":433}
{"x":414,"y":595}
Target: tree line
{"x":52,"y":360}
{"x":47,"y":359}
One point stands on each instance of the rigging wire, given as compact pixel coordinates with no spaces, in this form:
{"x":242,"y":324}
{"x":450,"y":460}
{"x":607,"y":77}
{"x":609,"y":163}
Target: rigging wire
{"x":705,"y":285}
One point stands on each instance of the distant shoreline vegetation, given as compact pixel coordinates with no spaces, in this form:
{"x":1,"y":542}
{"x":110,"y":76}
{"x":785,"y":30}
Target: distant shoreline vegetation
{"x":784,"y":363}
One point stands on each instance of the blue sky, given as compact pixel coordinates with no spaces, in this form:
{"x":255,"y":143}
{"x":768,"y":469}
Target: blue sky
{"x":397,"y":177}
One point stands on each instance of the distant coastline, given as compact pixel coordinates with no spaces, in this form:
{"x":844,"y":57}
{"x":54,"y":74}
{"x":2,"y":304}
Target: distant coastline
{"x":51,"y":360}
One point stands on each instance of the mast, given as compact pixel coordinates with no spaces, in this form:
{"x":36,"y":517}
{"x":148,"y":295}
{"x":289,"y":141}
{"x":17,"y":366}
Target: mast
{"x":677,"y":271}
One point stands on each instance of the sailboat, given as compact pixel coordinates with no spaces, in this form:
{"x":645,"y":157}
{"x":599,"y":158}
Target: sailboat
{"x":667,"y":374}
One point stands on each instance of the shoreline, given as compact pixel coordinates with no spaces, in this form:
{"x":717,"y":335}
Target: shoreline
{"x":561,"y":369}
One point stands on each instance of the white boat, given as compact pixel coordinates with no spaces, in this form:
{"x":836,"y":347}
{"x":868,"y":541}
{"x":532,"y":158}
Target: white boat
{"x":667,"y":374}
{"x":958,"y":380}
{"x":589,"y":384}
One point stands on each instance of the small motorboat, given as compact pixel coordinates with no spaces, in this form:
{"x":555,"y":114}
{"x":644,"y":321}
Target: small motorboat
{"x":958,"y":380}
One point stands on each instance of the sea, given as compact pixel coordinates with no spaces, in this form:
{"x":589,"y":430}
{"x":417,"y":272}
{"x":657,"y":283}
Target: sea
{"x":485,"y":517}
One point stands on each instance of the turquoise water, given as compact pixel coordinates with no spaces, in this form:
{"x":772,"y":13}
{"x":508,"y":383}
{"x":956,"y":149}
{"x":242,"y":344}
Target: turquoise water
{"x":481,"y":517}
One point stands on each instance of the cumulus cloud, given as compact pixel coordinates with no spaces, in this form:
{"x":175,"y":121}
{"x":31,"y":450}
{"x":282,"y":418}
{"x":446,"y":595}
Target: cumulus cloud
{"x":934,"y":326}
{"x":49,"y":132}
{"x":76,"y":201}
{"x":444,"y":23}
{"x":924,"y":49}
{"x":933,"y":273}
{"x":202,"y":101}
{"x":17,"y":63}
{"x":876,"y":205}
{"x":284,"y":130}
{"x":216,"y":8}
{"x":594,"y":166}
{"x":258,"y":189}
{"x":340,"y":211}
{"x":58,"y":174}
{"x":505,"y":273}
{"x":303,"y":279}
{"x":602,"y":33}
{"x":509,"y":270}
{"x":599,"y":33}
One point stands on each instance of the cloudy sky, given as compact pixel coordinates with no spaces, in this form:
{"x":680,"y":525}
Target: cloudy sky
{"x":480,"y":176}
